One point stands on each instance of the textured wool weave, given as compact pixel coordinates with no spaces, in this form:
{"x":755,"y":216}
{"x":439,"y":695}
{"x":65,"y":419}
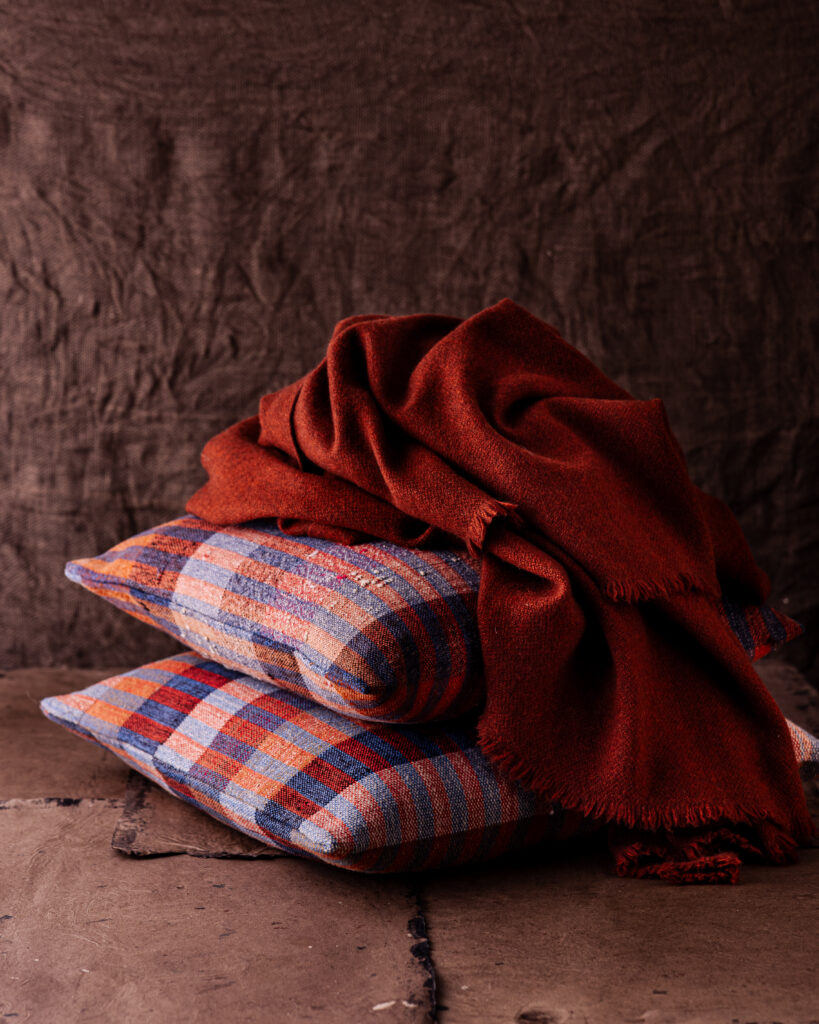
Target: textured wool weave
{"x":603,"y":565}
{"x":302,"y":778}
{"x":375,"y":630}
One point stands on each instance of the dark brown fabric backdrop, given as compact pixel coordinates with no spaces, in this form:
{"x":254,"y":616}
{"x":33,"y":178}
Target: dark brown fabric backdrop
{"x":192,"y":194}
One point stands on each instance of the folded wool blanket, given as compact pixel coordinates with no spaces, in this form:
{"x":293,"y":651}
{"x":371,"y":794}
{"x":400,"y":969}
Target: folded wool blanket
{"x":611,"y":677}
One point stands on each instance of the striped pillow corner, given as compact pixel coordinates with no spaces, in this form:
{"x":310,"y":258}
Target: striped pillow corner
{"x":75,"y":570}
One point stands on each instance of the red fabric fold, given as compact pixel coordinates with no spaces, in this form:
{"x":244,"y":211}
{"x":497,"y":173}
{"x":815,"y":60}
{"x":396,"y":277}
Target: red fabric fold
{"x":613,"y":685}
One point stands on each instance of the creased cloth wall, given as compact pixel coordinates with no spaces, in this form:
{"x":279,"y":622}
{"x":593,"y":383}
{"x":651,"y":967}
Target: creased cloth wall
{"x":191,"y":196}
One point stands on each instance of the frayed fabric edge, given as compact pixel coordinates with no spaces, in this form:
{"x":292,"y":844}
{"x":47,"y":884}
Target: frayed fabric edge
{"x":776,"y":845}
{"x":632,"y":591}
{"x":484,"y":516}
{"x":716,"y":869}
{"x":710,"y":855}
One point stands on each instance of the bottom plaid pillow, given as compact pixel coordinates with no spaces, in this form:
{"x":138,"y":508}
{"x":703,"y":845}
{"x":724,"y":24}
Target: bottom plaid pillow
{"x":301,"y":777}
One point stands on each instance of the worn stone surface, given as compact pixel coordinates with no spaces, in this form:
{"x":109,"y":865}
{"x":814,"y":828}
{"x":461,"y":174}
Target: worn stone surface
{"x":154,"y":823}
{"x":39,"y":759}
{"x":88,"y":935}
{"x":565,"y":941}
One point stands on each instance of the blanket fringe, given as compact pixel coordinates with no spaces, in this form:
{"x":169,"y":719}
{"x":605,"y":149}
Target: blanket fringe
{"x":621,"y":812}
{"x":631,"y":591}
{"x":708,"y":856}
{"x":716,"y":869}
{"x":486,"y":513}
{"x":712,"y":856}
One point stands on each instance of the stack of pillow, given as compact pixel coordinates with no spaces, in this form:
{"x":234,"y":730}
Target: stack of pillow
{"x":328,"y":700}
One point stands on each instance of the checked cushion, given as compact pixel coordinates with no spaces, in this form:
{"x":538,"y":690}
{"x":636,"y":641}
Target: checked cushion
{"x":371,"y":630}
{"x":302,"y":778}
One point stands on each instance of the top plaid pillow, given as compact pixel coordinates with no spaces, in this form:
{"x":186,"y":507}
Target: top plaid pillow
{"x":373,"y":630}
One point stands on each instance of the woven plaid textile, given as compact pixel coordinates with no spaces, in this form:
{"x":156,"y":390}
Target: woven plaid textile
{"x":371,"y":630}
{"x":759,"y":628}
{"x":302,"y":778}
{"x":376,"y":631}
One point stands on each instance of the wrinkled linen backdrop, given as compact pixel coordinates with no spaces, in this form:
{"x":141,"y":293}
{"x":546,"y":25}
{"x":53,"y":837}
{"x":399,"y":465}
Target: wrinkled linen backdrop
{"x":192,"y":196}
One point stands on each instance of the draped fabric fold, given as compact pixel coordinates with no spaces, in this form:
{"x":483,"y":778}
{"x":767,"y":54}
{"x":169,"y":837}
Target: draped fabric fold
{"x":610,"y":676}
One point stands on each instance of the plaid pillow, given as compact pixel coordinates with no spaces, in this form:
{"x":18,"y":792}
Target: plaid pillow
{"x":304,"y":779}
{"x":759,"y":628}
{"x":371,"y":630}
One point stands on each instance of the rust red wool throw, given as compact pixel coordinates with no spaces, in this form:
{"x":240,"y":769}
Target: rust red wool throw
{"x":611,"y":678}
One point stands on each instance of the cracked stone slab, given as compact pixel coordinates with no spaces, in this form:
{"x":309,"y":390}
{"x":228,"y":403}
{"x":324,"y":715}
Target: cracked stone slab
{"x":565,"y":941}
{"x":154,"y":823}
{"x":41,"y":760}
{"x":89,"y":935}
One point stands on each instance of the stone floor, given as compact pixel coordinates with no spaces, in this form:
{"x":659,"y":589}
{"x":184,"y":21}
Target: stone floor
{"x":120,"y":904}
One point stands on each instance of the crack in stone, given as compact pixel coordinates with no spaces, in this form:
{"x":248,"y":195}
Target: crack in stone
{"x":61,"y":801}
{"x":422,"y":953}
